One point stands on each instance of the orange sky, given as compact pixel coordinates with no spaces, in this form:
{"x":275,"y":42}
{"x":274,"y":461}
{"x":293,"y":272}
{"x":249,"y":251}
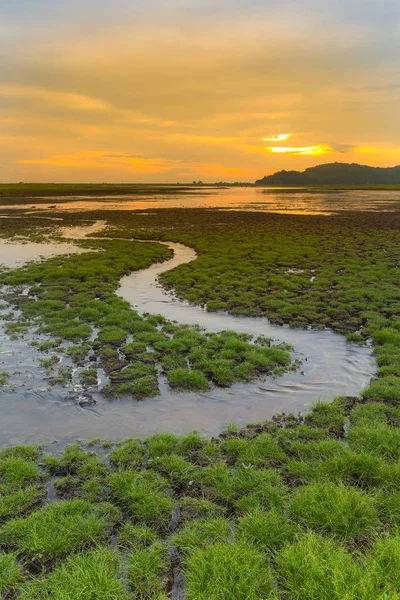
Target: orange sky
{"x":156,"y":91}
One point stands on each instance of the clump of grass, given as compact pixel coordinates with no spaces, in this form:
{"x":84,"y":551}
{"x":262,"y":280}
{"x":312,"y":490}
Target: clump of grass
{"x":190,"y":444}
{"x":4,"y":378}
{"x":161,"y":443}
{"x":326,"y":415}
{"x":188,"y":379}
{"x":10,"y":574}
{"x":246,"y":488}
{"x":112,"y":335}
{"x":74,"y":461}
{"x":337,"y":509}
{"x":202,"y":533}
{"x":227,"y":572}
{"x":362,"y":470}
{"x":318,"y":568}
{"x":381,"y":440}
{"x":216,"y":305}
{"x":148,"y":571}
{"x":136,"y":537}
{"x":16,"y":473}
{"x":144,"y":495}
{"x":199,"y":508}
{"x":83,"y":576}
{"x":23,"y":452}
{"x":267,"y":531}
{"x":128,"y":454}
{"x":370,"y":414}
{"x":88,"y":377}
{"x":257,"y":452}
{"x":20,"y":502}
{"x":58,"y":529}
{"x":385,"y":389}
{"x":384,"y":569}
{"x":175,"y":468}
{"x":388,"y":506}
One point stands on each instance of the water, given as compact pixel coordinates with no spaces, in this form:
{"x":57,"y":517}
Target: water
{"x":278,"y":200}
{"x":14,"y":254}
{"x":32,"y":413}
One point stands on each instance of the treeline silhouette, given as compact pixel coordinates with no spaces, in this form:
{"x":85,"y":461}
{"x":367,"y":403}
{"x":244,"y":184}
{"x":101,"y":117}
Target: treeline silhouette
{"x":335,"y":174}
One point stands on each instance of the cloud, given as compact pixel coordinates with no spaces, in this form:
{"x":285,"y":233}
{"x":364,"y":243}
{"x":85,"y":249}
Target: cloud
{"x":318,"y":150}
{"x":342,"y":148}
{"x":196,"y":82}
{"x":67,"y":100}
{"x":280,"y":137}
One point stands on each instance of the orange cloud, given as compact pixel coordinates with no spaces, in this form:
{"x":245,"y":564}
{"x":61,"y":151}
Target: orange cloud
{"x":122,"y":163}
{"x":70,"y":100}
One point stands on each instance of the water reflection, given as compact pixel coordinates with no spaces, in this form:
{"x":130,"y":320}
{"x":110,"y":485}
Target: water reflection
{"x":279,"y":200}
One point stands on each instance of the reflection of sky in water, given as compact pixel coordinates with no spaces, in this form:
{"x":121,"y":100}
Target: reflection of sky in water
{"x":255,"y":199}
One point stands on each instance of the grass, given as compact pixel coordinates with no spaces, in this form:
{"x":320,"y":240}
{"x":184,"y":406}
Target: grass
{"x":266,"y":531}
{"x":186,"y":379}
{"x":4,"y":378}
{"x":17,"y":472}
{"x":342,"y":511}
{"x":136,"y":537}
{"x":144,"y":496}
{"x":318,"y":568}
{"x":20,"y":502}
{"x":10,"y":573}
{"x":282,"y":510}
{"x":228,"y":572}
{"x":81,"y":577}
{"x":382,"y":441}
{"x":148,"y":571}
{"x":59,"y":529}
{"x":202,"y":533}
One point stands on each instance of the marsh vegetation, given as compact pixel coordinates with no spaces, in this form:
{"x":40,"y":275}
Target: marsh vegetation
{"x":289,"y":508}
{"x":72,"y":301}
{"x":298,"y":507}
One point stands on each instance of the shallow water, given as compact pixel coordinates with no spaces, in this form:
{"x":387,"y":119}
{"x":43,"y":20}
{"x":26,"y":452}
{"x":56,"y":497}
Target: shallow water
{"x":31,"y":413}
{"x":278,"y":200}
{"x":14,"y":254}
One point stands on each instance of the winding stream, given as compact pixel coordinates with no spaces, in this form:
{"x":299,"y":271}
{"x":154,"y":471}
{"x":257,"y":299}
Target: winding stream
{"x":332,"y":366}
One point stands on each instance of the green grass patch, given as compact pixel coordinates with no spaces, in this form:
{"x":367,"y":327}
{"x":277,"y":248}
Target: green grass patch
{"x":228,"y":572}
{"x":81,"y":577}
{"x":336,"y":509}
{"x":59,"y":529}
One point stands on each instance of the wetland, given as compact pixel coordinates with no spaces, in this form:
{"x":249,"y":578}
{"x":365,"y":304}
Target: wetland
{"x":233,"y":373}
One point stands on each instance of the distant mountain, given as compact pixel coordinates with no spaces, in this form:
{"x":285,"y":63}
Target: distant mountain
{"x":335,"y":174}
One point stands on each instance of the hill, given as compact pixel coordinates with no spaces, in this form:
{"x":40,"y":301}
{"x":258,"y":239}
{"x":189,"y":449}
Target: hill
{"x":335,"y":174}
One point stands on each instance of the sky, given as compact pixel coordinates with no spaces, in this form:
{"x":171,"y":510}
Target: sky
{"x":182,"y":90}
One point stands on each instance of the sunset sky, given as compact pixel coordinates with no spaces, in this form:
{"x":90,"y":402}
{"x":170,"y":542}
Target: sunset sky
{"x":177,"y":90}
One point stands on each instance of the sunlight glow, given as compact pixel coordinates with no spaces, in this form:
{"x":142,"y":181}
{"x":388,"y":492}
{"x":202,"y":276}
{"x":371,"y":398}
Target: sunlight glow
{"x":302,"y":151}
{"x":281,"y":137}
